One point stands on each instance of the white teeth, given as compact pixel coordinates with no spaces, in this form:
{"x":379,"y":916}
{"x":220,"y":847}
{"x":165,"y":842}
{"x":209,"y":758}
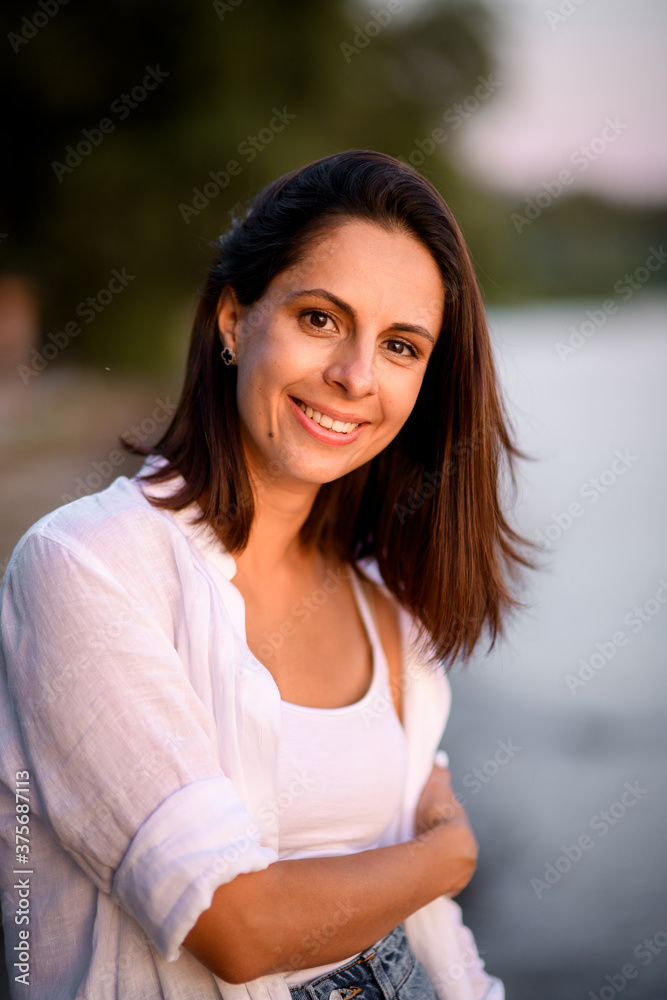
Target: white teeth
{"x":324,"y":421}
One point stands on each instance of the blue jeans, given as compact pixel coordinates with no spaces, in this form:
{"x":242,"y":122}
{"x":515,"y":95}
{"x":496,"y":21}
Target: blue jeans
{"x":388,"y":970}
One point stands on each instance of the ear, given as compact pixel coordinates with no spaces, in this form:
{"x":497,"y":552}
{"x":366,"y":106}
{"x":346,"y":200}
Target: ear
{"x":230,"y":312}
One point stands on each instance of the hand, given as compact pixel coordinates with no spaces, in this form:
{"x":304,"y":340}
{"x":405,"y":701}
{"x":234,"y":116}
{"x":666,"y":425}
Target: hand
{"x":438,"y":803}
{"x":442,"y":823}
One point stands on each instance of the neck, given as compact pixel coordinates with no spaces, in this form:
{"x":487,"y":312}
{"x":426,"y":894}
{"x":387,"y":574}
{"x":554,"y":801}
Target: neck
{"x":274,"y":543}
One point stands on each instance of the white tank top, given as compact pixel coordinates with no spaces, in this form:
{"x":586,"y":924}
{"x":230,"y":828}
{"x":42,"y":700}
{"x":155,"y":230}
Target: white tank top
{"x":341,"y":774}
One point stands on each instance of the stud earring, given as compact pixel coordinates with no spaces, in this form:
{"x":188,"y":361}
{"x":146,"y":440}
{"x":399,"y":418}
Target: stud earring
{"x":228,"y":356}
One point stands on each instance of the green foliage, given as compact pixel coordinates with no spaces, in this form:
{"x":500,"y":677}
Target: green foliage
{"x":229,"y":66}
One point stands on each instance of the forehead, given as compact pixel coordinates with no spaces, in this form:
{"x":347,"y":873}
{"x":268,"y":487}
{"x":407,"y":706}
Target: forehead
{"x":367,"y":264}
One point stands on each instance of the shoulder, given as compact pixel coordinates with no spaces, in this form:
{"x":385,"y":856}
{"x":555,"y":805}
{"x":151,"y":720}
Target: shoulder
{"x":116,"y":529}
{"x":386,"y":613}
{"x":388,"y":610}
{"x":420,"y":687}
{"x":399,"y":624}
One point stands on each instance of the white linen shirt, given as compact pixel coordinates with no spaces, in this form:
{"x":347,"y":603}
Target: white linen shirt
{"x":149,"y":732}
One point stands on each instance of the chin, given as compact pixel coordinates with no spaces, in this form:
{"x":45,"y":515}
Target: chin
{"x":318,"y":475}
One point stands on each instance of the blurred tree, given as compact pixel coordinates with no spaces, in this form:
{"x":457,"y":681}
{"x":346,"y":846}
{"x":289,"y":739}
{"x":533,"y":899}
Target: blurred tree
{"x":102,"y":173}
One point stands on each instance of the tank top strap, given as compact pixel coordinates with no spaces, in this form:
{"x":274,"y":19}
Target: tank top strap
{"x":380,"y":660}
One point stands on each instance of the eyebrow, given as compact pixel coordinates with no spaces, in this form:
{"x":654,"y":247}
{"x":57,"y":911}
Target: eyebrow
{"x":420,"y":331}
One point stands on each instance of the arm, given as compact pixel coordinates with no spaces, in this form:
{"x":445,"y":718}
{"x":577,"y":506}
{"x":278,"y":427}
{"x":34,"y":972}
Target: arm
{"x":296,"y":914}
{"x":96,"y":702}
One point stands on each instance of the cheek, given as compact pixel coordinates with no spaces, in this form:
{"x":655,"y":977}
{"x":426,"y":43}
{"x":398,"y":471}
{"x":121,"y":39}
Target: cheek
{"x":274,"y":359}
{"x":251,"y":391}
{"x":257,"y":368}
{"x":400,"y":398}
{"x":265,"y":372}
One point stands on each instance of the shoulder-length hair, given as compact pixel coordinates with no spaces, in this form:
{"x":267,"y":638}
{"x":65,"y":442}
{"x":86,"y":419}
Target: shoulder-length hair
{"x":427,"y":508}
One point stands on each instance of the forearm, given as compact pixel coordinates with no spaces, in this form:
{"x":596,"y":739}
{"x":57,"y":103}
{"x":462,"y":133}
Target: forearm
{"x":297,"y":914}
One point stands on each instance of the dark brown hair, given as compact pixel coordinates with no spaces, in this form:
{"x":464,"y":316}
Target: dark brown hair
{"x":427,"y":508}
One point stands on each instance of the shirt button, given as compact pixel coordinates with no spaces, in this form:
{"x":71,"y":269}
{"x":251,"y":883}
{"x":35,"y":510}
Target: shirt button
{"x":335,"y":995}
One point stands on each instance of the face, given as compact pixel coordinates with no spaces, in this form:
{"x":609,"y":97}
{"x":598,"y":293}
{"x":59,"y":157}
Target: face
{"x":332,"y":357}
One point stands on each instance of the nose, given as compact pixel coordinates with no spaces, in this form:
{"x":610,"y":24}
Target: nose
{"x":352,"y":368}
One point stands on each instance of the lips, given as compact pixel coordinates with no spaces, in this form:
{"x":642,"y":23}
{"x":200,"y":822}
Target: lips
{"x":326,"y":420}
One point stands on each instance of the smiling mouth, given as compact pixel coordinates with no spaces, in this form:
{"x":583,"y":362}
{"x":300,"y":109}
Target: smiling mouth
{"x":325,"y":421}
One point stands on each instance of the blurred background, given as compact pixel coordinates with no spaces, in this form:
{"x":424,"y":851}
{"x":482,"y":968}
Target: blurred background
{"x":132,"y":131}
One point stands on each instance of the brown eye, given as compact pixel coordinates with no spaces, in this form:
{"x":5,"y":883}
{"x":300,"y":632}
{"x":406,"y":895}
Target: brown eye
{"x":318,"y":319}
{"x":402,"y":348}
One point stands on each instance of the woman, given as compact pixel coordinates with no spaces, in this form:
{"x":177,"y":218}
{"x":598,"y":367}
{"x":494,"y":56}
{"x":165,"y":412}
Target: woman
{"x":219,"y":677}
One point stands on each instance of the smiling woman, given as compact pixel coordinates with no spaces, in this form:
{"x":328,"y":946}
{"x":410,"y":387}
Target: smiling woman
{"x":240,"y":788}
{"x":327,"y":337}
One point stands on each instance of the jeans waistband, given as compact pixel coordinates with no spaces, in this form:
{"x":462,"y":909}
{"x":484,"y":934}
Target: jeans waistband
{"x":383,"y":967}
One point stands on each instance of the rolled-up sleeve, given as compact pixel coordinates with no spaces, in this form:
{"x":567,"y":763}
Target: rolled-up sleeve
{"x":173,"y":867}
{"x":122,"y":752}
